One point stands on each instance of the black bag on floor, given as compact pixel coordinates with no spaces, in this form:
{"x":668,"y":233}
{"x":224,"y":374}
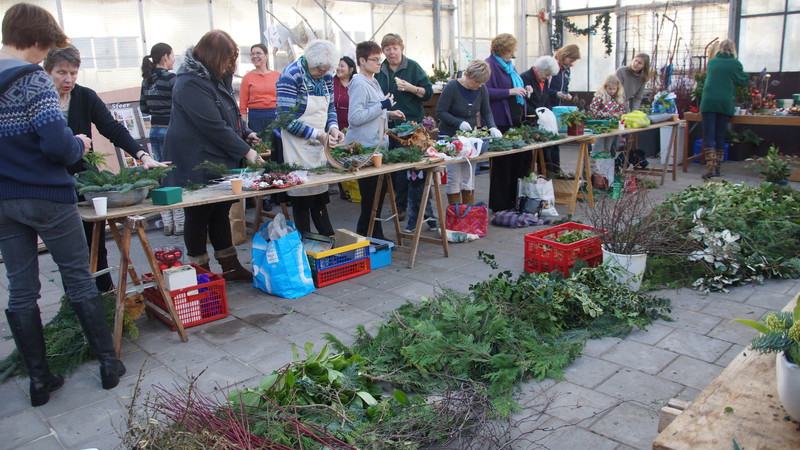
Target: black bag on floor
{"x":636,"y":158}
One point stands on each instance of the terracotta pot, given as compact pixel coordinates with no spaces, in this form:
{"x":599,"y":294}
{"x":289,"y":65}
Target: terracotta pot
{"x":575,"y":130}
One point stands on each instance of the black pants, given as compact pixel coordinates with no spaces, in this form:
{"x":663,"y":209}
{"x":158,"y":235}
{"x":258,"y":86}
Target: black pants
{"x":104,"y":282}
{"x":207,"y":221}
{"x":506,"y":170}
{"x":312,"y":208}
{"x":367,"y":187}
{"x":552,"y":160}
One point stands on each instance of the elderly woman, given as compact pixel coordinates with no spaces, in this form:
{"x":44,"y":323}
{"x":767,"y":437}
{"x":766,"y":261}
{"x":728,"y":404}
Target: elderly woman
{"x":539,"y":77}
{"x":306,"y":86}
{"x":368,"y":115}
{"x":634,"y":77}
{"x":507,"y":94}
{"x":724,"y":74}
{"x":457,"y":109}
{"x":559,"y":84}
{"x":83,"y":108}
{"x":37,"y":197}
{"x":206,"y":126}
{"x":156,"y":99}
{"x":407,"y":82}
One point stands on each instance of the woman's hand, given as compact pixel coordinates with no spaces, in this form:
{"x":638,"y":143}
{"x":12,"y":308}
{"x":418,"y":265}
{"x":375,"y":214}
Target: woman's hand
{"x":149,"y":163}
{"x":387,"y":101}
{"x":465,"y":126}
{"x":495,"y":133}
{"x":397,"y":115}
{"x":335,"y":135}
{"x":253,"y":139}
{"x":517,"y":91}
{"x":87,"y":143}
{"x":564,"y":95}
{"x":252,"y":156}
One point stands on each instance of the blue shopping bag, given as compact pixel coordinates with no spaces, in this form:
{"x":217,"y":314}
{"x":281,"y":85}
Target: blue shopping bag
{"x":280,"y":266}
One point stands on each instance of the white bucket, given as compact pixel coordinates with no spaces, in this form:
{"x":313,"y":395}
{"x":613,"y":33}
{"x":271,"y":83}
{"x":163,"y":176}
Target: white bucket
{"x":788,"y":379}
{"x":631,"y":267}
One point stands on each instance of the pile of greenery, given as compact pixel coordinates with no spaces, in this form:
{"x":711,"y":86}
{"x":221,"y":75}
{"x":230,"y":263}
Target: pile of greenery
{"x":747,"y":234}
{"x":402,"y":155}
{"x":95,"y":180}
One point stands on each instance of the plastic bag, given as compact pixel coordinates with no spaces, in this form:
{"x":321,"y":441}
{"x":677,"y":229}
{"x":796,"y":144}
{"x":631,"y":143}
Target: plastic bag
{"x":664,"y":102}
{"x":277,"y":229}
{"x":603,"y":166}
{"x":540,"y":188}
{"x":280,"y":266}
{"x":459,"y":236}
{"x":547,"y":120}
{"x":636,"y":119}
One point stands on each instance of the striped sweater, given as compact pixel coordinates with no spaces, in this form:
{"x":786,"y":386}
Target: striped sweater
{"x":35,"y":141}
{"x":294,"y":87}
{"x":156,"y":96}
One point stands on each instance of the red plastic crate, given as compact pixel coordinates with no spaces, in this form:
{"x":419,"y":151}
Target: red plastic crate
{"x":341,"y":273}
{"x":195,"y":305}
{"x":544,"y":254}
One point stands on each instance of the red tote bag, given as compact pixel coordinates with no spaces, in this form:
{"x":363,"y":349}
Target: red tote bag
{"x":468,"y":218}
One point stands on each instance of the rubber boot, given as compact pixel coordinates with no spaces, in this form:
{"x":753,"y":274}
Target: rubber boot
{"x":711,"y":162}
{"x":468,"y":197}
{"x":232,"y":269}
{"x":202,"y":261}
{"x":92,"y":317}
{"x":454,"y":198}
{"x":26,"y":326}
{"x":720,"y":157}
{"x":169,"y":224}
{"x":179,"y":220}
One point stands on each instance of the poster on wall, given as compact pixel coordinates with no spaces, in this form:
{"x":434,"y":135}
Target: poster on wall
{"x":137,"y":124}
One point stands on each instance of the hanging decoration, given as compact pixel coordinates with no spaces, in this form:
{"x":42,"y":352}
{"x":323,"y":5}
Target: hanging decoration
{"x":602,"y":22}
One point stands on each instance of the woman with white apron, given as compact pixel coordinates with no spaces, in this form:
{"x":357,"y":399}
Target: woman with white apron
{"x":307,"y":85}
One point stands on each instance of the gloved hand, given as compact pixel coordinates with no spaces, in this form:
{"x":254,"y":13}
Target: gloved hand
{"x":465,"y":126}
{"x":495,"y":133}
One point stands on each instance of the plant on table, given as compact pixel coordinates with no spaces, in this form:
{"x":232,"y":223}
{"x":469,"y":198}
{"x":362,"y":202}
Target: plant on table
{"x":574,"y":118}
{"x":95,"y":180}
{"x":780,"y":332}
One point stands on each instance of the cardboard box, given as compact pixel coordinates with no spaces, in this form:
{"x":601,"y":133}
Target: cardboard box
{"x":167,"y":195}
{"x":343,"y":238}
{"x":795,"y":175}
{"x":180,"y":277}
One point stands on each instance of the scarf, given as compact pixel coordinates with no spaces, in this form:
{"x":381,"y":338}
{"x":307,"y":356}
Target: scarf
{"x":516,"y":81}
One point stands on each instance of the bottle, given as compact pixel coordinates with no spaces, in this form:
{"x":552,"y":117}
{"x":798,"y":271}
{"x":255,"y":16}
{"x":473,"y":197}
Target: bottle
{"x":616,"y":190}
{"x":621,"y":125}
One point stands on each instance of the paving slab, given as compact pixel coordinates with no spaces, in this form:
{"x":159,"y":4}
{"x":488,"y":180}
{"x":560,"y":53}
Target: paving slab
{"x":691,"y":372}
{"x":631,"y":423}
{"x":576,"y":404}
{"x":589,"y":372}
{"x":692,"y":321}
{"x":88,"y":424}
{"x":22,"y":427}
{"x":635,"y":385}
{"x":695,"y":345}
{"x":648,"y":359}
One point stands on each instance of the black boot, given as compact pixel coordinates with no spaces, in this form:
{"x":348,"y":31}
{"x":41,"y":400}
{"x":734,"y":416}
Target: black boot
{"x":26,"y":326}
{"x":93,"y":320}
{"x":232,"y":269}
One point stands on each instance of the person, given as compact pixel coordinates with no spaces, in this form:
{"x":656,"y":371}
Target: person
{"x":608,"y":103}
{"x":560,"y":96}
{"x":341,"y":97}
{"x":206,"y":126}
{"x":507,"y":95}
{"x":306,"y":87}
{"x":724,"y":74}
{"x":368,"y":115}
{"x":156,"y":100}
{"x":82,"y":108}
{"x":409,"y":84}
{"x":538,"y":77}
{"x":37,"y":197}
{"x":257,"y":94}
{"x":634,"y":78}
{"x":460,"y":102}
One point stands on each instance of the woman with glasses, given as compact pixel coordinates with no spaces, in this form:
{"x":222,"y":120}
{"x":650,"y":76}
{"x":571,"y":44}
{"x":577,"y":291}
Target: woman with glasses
{"x":206,"y":126}
{"x":305,"y":88}
{"x":257,"y":94}
{"x":368,"y":115}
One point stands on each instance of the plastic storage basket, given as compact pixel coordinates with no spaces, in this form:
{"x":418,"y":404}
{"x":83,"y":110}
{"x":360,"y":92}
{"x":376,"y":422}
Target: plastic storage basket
{"x":380,"y":253}
{"x":342,"y":272}
{"x":544,"y":254}
{"x":321,"y":261}
{"x":195,"y":305}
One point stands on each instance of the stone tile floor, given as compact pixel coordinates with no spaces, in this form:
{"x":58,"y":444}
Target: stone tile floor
{"x":609,"y":400}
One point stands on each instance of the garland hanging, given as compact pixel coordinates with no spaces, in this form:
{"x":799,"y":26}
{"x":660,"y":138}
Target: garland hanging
{"x":604,"y":19}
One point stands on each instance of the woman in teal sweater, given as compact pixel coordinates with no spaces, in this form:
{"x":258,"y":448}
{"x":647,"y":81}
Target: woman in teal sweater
{"x":724,"y":73}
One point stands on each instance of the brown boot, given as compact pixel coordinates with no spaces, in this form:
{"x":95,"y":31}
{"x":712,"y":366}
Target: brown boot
{"x":202,"y":261}
{"x":711,"y":162}
{"x":720,"y":157}
{"x":468,"y":197}
{"x":454,"y":198}
{"x":232,"y":269}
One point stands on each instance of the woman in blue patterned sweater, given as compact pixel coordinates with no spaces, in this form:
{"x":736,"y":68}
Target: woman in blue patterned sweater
{"x":37,"y":197}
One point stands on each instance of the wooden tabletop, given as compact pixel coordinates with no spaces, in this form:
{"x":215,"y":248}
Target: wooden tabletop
{"x":741,"y":404}
{"x":751,"y":119}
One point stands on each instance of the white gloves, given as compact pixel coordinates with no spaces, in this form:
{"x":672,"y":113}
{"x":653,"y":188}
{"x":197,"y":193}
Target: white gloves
{"x":465,"y":126}
{"x":495,"y":133}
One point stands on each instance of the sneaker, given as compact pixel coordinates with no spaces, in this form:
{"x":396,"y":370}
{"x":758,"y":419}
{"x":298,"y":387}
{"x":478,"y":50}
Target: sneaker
{"x":168,"y":230}
{"x":408,"y":230}
{"x":432,"y":225}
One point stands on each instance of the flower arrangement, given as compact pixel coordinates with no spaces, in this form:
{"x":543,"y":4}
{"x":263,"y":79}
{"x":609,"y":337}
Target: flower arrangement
{"x":760,"y":98}
{"x":780,"y":332}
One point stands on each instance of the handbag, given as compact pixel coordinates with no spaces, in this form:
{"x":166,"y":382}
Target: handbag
{"x":530,"y":205}
{"x":472,"y":219}
{"x":541,"y":188}
{"x":280,"y":265}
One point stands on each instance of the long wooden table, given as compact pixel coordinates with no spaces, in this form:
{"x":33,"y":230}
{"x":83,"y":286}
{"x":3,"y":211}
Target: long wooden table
{"x":693,"y":119}
{"x":131,"y":219}
{"x":741,"y":404}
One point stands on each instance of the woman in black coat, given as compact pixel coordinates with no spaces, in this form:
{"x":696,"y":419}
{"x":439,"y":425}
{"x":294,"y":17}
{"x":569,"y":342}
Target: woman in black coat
{"x":206,"y":126}
{"x":538,"y":77}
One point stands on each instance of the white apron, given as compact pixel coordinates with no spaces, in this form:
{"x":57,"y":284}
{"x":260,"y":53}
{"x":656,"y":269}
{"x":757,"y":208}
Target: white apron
{"x":305,"y":152}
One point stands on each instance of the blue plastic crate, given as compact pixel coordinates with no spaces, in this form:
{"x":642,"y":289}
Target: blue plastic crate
{"x":380,"y":253}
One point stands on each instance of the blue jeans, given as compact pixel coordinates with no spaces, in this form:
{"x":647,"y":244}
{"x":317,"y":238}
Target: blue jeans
{"x":61,"y":229}
{"x":714,"y":126}
{"x":157,"y":135}
{"x":259,"y":119}
{"x":415,"y":191}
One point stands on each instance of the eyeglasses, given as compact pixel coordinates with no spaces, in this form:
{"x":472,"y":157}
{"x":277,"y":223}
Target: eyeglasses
{"x":377,"y":60}
{"x":257,"y":54}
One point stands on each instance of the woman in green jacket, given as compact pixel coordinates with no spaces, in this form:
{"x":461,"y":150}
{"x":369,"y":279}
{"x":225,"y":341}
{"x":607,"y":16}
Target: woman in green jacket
{"x":724,"y":73}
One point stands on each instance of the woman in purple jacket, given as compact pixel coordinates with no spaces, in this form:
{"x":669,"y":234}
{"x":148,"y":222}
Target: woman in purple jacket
{"x":507,"y":100}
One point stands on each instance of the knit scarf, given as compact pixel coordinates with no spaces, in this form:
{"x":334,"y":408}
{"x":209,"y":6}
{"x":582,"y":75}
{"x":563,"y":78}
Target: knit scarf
{"x":516,"y":81}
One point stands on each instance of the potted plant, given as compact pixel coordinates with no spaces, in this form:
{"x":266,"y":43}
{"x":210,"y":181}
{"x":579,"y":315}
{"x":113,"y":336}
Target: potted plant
{"x":742,"y":145}
{"x":128,"y":187}
{"x":775,"y":167}
{"x":780,"y":334}
{"x":632,"y":230}
{"x":574,"y":120}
